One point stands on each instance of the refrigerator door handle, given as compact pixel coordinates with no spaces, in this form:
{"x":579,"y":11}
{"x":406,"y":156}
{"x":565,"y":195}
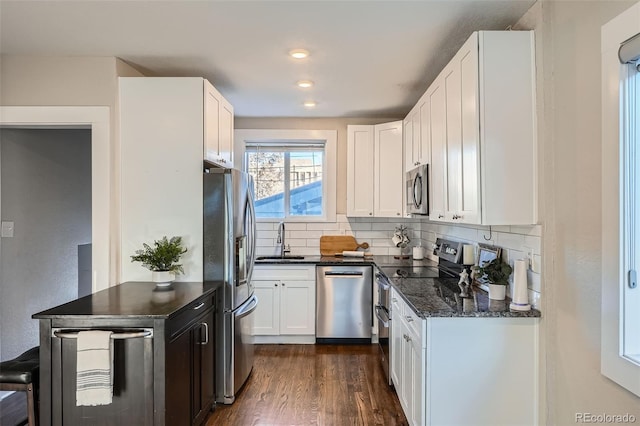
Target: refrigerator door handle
{"x":247,"y":308}
{"x":251,"y":232}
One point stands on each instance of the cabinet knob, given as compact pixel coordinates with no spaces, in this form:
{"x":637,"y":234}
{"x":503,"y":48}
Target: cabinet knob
{"x":440,"y":216}
{"x":397,"y":214}
{"x":409,"y":318}
{"x":276,"y":285}
{"x":370,"y":214}
{"x":282,"y":284}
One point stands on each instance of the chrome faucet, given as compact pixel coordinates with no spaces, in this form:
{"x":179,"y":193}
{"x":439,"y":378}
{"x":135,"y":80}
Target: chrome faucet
{"x":280,"y":240}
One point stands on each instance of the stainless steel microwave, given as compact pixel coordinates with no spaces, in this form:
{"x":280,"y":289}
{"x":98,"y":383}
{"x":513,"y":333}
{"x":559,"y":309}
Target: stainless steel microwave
{"x":417,"y":187}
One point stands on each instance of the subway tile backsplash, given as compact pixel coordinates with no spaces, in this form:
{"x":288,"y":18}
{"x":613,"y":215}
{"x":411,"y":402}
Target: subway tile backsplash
{"x":304,"y":238}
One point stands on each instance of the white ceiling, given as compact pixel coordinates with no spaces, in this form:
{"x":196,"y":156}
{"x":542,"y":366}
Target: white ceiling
{"x":368,"y":58}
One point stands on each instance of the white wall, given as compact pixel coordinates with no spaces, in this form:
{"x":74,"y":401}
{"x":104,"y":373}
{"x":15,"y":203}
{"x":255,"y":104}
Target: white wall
{"x":46,"y":192}
{"x":568,"y":37}
{"x":72,"y":81}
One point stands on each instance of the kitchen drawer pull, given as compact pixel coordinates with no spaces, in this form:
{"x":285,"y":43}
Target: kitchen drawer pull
{"x":409,"y":318}
{"x":206,"y":333}
{"x":73,"y":334}
{"x":199,"y":306}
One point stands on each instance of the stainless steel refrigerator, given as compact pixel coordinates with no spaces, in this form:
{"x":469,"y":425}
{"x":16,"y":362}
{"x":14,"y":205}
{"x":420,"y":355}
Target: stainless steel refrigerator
{"x":229,"y":254}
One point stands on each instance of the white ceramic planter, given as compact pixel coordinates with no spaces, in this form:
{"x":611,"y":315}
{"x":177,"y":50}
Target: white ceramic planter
{"x":162,"y":278}
{"x":497,"y":291}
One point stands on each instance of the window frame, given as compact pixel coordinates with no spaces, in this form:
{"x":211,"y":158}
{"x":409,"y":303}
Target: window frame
{"x":291,"y":136}
{"x":615,"y":363}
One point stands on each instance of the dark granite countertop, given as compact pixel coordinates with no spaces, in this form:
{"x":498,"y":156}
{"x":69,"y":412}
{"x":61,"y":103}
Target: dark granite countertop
{"x":440,"y":297}
{"x":380,"y":261}
{"x":429,"y":297}
{"x":318,"y":260}
{"x":132,"y":300}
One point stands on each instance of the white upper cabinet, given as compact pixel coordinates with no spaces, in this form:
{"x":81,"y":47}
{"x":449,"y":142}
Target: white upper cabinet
{"x":388,"y":171}
{"x":360,"y":171}
{"x":416,"y":135}
{"x":486,"y":164}
{"x":375,"y":176}
{"x":438,"y":167}
{"x":218,"y":129}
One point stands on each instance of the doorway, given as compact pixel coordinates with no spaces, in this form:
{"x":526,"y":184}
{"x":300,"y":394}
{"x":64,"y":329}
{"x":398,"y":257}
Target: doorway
{"x":96,"y":120}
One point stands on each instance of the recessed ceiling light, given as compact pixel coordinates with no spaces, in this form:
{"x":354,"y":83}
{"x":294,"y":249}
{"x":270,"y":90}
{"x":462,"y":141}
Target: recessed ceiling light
{"x":305,"y":84}
{"x":309,"y":104}
{"x":299,"y":53}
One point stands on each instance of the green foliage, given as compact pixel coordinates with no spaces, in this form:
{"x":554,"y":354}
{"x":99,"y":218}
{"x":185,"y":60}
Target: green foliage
{"x":163,"y":256}
{"x":496,"y":271}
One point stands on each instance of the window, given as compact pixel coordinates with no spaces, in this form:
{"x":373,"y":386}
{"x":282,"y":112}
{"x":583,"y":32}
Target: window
{"x":620,"y":315}
{"x":630,"y":208}
{"x":294,"y":173}
{"x":287,"y":179}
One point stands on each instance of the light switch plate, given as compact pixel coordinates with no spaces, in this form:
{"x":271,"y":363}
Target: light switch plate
{"x":7,"y":229}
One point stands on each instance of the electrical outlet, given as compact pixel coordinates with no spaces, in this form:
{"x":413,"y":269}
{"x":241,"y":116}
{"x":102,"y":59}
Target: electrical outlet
{"x":7,"y":229}
{"x":529,"y":253}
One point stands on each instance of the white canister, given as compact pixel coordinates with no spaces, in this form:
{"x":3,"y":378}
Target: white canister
{"x":418,"y":253}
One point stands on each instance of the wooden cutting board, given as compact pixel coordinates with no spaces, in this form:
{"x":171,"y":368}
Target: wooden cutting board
{"x":332,"y":244}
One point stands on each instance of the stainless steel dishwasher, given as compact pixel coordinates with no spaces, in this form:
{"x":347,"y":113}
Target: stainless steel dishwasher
{"x":344,"y":310}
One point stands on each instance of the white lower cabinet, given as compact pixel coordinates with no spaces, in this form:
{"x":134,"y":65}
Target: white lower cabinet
{"x":408,"y":359}
{"x":464,"y":370}
{"x":286,"y":304}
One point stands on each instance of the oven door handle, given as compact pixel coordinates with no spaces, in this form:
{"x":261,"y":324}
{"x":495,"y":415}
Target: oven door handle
{"x":382,"y":283}
{"x":381,"y":314}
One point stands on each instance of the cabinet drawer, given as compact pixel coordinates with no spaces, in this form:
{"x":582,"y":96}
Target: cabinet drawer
{"x":189,"y":314}
{"x":283,"y":273}
{"x":413,"y":321}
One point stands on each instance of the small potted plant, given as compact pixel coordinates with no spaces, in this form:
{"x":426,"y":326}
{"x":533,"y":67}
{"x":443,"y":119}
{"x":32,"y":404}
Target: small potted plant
{"x":162,"y":259}
{"x":496,"y":273}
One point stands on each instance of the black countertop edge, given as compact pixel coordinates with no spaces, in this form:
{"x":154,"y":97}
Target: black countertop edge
{"x":132,"y":300}
{"x":437,"y":297}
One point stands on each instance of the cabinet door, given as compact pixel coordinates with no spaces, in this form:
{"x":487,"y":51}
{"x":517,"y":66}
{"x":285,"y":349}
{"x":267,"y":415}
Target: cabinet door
{"x":417,"y":397}
{"x":203,"y":381}
{"x":416,"y":147}
{"x":225,"y":131}
{"x":454,"y":140}
{"x":438,"y":168}
{"x":407,"y":136}
{"x":412,"y":139}
{"x":389,"y":177}
{"x":267,"y":314}
{"x":360,"y":171}
{"x":178,"y":380}
{"x":218,"y":127}
{"x":211,"y":123}
{"x":424,"y":119}
{"x":396,"y":343}
{"x":406,"y":381}
{"x":469,"y":183}
{"x":297,"y":307}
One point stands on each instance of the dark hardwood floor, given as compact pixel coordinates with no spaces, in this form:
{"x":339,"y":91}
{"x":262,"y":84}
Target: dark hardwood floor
{"x":13,"y":409}
{"x":314,"y":385}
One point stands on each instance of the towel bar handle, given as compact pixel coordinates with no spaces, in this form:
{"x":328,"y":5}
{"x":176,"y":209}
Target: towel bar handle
{"x":73,"y":334}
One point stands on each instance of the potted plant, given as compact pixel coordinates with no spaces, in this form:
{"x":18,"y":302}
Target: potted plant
{"x":496,"y":273}
{"x":162,"y":259}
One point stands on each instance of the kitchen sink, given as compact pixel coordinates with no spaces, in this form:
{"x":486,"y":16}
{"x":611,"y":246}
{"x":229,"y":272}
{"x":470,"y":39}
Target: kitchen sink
{"x":279,"y":258}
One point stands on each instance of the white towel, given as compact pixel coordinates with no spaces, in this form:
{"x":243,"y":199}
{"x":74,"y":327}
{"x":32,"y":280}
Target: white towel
{"x":94,"y":379}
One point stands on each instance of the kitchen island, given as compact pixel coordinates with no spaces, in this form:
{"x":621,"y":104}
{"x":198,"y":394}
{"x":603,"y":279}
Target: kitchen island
{"x":163,"y":355}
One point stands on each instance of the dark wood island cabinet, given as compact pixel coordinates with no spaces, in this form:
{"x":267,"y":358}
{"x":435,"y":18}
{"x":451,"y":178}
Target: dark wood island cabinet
{"x":163,"y":355}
